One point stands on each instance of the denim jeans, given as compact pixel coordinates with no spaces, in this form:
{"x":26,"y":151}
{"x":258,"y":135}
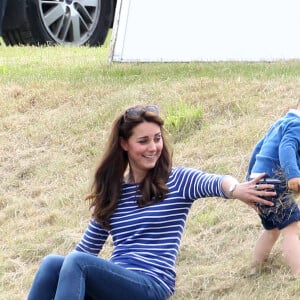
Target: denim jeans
{"x":84,"y":276}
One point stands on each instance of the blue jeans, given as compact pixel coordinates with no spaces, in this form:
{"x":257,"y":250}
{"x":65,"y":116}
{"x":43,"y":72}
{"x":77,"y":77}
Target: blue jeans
{"x":84,"y":276}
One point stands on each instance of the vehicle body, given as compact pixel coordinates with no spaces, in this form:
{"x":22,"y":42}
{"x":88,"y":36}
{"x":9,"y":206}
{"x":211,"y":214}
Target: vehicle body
{"x":51,"y":22}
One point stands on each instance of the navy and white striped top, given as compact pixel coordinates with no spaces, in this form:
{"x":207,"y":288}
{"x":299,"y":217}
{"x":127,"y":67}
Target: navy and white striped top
{"x":147,"y":239}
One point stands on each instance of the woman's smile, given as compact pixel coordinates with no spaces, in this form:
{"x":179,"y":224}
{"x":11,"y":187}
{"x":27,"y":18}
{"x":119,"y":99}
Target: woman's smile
{"x":143,"y":148}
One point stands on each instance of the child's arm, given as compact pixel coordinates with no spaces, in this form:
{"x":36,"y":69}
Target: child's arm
{"x":294,"y":184}
{"x":289,"y":154}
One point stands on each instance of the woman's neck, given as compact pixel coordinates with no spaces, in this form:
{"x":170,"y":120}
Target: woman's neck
{"x":131,"y":178}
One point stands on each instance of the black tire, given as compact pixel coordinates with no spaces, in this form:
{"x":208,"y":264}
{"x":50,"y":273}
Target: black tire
{"x":2,"y":12}
{"x":65,"y":22}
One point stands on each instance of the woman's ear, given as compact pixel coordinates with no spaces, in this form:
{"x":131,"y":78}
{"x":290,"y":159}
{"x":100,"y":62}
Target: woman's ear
{"x":123,"y":144}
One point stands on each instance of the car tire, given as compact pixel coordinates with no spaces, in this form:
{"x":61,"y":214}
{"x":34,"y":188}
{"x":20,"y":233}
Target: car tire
{"x":67,"y":22}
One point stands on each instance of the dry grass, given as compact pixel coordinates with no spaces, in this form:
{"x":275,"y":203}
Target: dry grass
{"x":56,"y":109}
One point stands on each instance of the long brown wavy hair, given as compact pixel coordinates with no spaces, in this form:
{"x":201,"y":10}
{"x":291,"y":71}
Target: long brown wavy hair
{"x":109,"y":175}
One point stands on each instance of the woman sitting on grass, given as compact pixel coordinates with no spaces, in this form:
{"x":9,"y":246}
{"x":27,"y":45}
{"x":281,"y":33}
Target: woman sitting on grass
{"x":142,"y":201}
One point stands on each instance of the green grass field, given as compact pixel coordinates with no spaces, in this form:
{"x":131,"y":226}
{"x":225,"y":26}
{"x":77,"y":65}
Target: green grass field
{"x":57,"y":105}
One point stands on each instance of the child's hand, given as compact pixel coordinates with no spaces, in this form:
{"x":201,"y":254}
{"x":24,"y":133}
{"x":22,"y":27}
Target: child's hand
{"x":294,"y":184}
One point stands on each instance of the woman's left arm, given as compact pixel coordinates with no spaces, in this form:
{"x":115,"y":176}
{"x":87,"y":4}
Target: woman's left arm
{"x":249,"y":192}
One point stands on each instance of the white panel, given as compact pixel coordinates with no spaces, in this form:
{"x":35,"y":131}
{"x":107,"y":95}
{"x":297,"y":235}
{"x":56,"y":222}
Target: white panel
{"x":210,"y":30}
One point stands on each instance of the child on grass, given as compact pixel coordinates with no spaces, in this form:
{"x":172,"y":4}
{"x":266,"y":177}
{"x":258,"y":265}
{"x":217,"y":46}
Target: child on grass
{"x":278,"y":155}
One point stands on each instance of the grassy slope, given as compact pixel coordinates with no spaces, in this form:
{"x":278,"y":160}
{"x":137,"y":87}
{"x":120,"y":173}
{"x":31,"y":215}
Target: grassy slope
{"x":56,"y":109}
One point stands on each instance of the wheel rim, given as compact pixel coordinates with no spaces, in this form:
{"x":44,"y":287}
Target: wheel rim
{"x":70,"y":21}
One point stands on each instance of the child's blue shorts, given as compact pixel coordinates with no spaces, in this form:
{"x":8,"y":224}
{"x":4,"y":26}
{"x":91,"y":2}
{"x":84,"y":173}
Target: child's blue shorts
{"x":284,"y":212}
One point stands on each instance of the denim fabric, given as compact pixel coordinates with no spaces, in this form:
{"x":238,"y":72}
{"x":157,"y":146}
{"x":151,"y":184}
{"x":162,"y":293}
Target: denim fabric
{"x":285,"y":210}
{"x":84,"y":276}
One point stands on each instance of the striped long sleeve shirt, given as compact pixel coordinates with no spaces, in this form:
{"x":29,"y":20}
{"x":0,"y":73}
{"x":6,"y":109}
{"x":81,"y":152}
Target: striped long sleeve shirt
{"x":147,"y":239}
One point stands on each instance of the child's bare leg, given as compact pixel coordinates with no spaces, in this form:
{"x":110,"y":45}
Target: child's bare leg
{"x":291,"y":247}
{"x":264,"y":245}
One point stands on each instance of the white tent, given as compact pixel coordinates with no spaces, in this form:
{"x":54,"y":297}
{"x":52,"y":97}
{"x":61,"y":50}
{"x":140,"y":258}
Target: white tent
{"x":206,"y":30}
